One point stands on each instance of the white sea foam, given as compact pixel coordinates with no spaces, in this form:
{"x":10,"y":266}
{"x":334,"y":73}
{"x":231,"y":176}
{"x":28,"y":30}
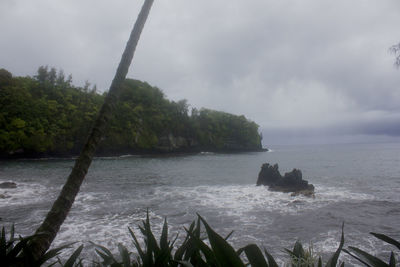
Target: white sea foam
{"x":25,"y":193}
{"x":236,"y":204}
{"x":128,"y":156}
{"x":206,"y":153}
{"x":108,"y":230}
{"x":329,"y":242}
{"x":240,"y":199}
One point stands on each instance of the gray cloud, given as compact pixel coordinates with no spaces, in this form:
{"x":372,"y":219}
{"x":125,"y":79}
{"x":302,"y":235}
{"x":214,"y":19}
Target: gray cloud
{"x":297,"y":68}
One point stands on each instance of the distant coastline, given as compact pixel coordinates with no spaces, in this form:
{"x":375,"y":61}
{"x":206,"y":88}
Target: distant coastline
{"x":47,"y":116}
{"x":127,"y":153}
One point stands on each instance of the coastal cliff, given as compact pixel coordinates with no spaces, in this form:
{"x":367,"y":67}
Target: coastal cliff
{"x":46,"y":115}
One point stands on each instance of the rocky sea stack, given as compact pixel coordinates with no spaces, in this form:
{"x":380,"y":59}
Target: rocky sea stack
{"x":290,"y":182}
{"x":8,"y":185}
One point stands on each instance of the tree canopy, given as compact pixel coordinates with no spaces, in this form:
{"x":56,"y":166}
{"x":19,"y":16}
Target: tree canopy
{"x":48,"y":114}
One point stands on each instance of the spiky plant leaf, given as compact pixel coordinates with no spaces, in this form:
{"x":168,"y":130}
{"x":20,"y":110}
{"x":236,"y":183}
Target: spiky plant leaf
{"x":3,"y":244}
{"x":105,"y":254}
{"x":199,"y":245}
{"x":354,"y":256}
{"x":255,"y":256}
{"x":319,"y":262}
{"x":333,"y":260}
{"x":52,"y":253}
{"x":71,"y":260}
{"x":370,"y":259}
{"x":18,"y":248}
{"x":123,"y":251}
{"x":392,"y":261}
{"x":180,"y":251}
{"x":195,"y":247}
{"x":12,"y":232}
{"x":271,"y":260}
{"x":387,"y":239}
{"x":171,"y":244}
{"x":298,"y":250}
{"x":185,"y":263}
{"x":164,"y":236}
{"x":229,"y":235}
{"x":152,"y":246}
{"x":224,"y":253}
{"x":137,"y":244}
{"x":183,"y":247}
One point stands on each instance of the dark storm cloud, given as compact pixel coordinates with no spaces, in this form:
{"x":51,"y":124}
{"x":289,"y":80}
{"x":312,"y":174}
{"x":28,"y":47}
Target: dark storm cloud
{"x":302,"y":68}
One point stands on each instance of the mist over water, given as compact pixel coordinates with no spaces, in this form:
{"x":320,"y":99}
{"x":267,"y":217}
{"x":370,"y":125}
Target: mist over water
{"x":357,"y":184}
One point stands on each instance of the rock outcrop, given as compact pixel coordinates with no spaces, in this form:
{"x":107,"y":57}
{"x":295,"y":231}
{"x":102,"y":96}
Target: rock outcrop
{"x":290,"y":182}
{"x":8,"y":185}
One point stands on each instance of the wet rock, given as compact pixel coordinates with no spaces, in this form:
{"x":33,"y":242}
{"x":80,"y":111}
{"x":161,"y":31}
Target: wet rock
{"x":8,"y":185}
{"x":308,"y":192}
{"x":268,"y":175}
{"x":290,"y":182}
{"x":3,"y":196}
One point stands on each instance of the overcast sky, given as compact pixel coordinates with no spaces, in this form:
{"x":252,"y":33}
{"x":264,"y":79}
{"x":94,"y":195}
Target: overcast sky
{"x":311,"y":71}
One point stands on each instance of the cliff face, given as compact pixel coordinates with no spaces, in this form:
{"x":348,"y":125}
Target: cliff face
{"x":171,"y":143}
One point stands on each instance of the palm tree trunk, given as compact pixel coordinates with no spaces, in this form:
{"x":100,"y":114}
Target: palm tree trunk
{"x":61,"y":207}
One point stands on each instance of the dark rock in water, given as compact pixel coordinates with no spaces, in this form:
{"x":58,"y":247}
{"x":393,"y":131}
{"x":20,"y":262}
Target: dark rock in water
{"x":268,"y":175}
{"x":290,"y":182}
{"x":8,"y":185}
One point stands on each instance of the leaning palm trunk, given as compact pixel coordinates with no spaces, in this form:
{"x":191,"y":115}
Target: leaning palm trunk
{"x":59,"y":211}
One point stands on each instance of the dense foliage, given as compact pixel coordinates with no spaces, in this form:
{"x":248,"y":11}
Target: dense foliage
{"x":47,"y":114}
{"x":198,"y":248}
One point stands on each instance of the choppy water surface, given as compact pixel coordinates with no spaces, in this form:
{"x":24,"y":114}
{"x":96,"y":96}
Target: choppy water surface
{"x":355,"y":184}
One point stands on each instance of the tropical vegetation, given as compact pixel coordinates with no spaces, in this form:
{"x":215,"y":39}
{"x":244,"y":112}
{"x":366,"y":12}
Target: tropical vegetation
{"x":200,"y":247}
{"x":47,"y":114}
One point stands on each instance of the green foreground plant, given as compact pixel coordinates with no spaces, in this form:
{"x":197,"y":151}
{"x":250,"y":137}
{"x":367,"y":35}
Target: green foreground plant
{"x":16,"y":252}
{"x":370,"y":260}
{"x":202,"y":246}
{"x":196,"y":251}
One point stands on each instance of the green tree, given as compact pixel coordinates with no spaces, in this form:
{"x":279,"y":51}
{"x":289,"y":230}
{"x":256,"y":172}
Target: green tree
{"x":60,"y":209}
{"x":5,"y":77}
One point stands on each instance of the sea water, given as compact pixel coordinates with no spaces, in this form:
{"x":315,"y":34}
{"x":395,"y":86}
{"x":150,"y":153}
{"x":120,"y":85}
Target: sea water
{"x":358,"y":184}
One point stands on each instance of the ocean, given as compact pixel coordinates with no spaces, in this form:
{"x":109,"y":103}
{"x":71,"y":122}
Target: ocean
{"x":358,"y":184}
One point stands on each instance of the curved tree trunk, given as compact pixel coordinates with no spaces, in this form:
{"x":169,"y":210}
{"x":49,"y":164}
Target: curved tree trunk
{"x":59,"y":211}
